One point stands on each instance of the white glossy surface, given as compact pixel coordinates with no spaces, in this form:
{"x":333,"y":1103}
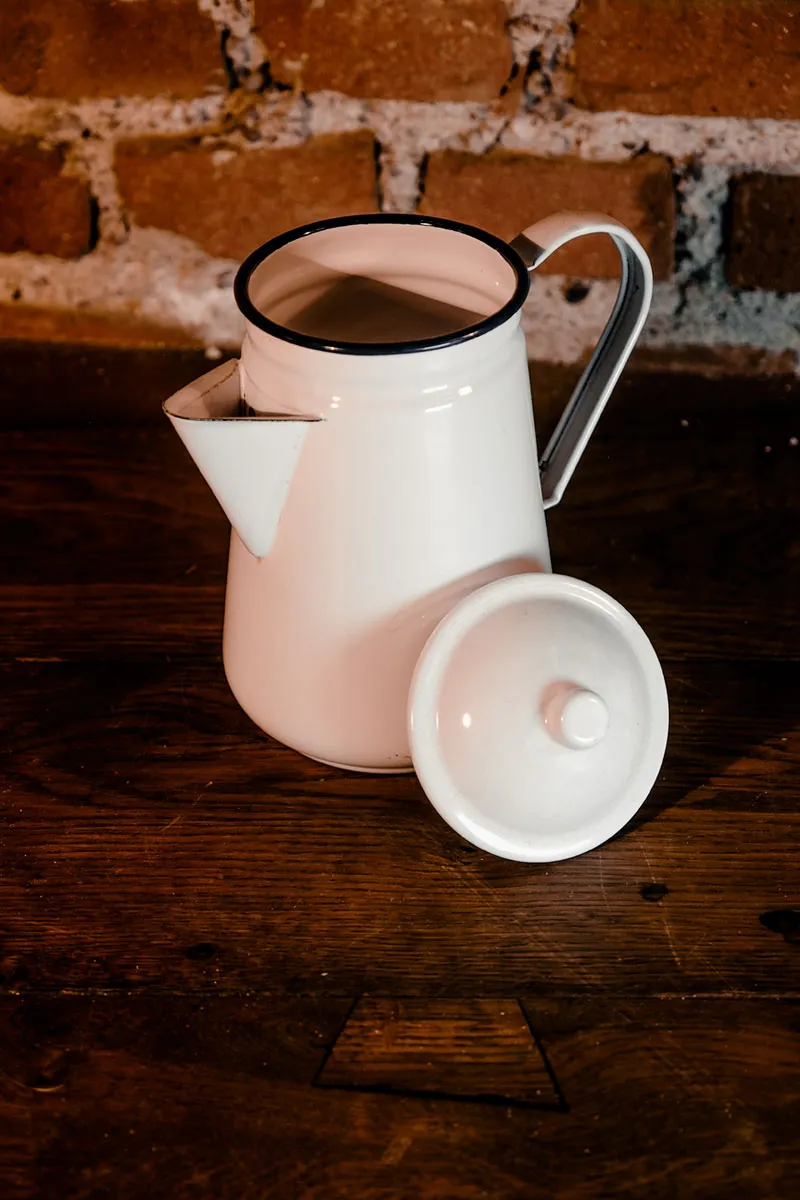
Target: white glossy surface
{"x":372,"y":493}
{"x":593,"y":390}
{"x":442,"y":264}
{"x":506,"y":662}
{"x":420,"y":484}
{"x":248,"y":462}
{"x":575,"y":716}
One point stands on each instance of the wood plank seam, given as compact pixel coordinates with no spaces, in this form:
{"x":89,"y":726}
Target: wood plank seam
{"x":496,"y":1098}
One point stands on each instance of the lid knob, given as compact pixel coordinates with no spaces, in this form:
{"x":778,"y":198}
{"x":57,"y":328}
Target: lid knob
{"x":574,"y":716}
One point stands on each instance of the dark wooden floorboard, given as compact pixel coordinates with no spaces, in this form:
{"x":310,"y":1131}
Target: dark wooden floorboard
{"x":693,"y":527}
{"x":60,"y":385}
{"x":146,"y":813}
{"x":192,"y":915}
{"x":201,"y":1096}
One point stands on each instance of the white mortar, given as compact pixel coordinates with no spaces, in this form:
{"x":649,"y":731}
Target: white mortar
{"x":166,"y":278}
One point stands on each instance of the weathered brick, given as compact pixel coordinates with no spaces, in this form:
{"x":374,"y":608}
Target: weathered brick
{"x":230,"y":203}
{"x":92,"y":48}
{"x":763,"y":247}
{"x":389,"y":49}
{"x":700,"y":57}
{"x":505,"y":192}
{"x":42,"y":210}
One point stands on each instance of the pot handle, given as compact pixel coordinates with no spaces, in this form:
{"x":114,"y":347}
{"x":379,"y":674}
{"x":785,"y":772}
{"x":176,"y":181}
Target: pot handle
{"x":617,"y":340}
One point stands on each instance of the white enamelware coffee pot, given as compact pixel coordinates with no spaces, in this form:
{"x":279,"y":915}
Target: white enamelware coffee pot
{"x":374,"y":485}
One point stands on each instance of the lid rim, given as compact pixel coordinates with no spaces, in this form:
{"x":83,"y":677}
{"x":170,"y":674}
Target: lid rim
{"x":442,"y":790}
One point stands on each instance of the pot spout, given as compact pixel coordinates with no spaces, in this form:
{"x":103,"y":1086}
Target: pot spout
{"x":247,"y":459}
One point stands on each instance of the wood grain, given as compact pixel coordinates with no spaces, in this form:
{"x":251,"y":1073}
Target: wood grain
{"x":477,"y":1049}
{"x":214,"y":1096}
{"x":62,"y":385}
{"x":189,"y":911}
{"x":146,"y":814}
{"x":692,"y":527}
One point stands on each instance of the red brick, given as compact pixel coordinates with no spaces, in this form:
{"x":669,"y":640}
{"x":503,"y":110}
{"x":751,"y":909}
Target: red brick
{"x":93,"y":48}
{"x":764,"y":233}
{"x":700,"y":57}
{"x":389,"y":49}
{"x":505,"y":192}
{"x":230,"y":204}
{"x":42,"y":210}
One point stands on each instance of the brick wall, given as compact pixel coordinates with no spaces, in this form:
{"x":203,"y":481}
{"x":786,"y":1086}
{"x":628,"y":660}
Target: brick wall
{"x":147,"y":145}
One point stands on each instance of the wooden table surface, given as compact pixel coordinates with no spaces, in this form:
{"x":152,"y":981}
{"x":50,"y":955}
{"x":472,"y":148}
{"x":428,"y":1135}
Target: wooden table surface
{"x":229,"y":972}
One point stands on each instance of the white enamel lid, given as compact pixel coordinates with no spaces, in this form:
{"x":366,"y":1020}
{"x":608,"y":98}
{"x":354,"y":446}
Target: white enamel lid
{"x":538,"y":717}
